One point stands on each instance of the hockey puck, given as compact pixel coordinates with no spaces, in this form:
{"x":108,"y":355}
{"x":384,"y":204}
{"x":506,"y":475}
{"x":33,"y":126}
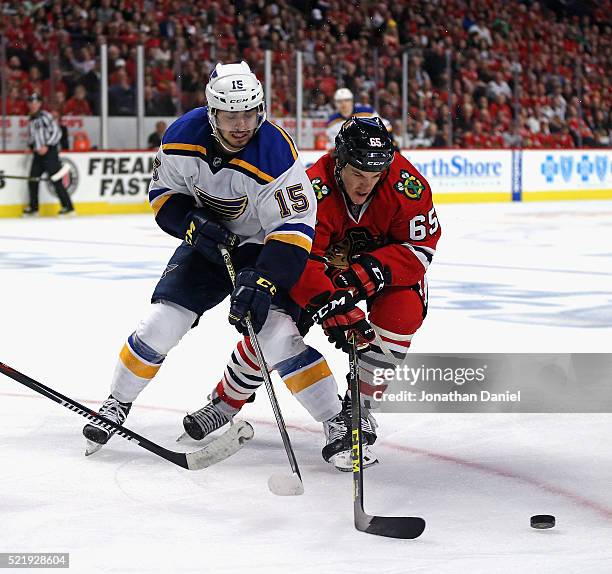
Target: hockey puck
{"x":542,"y":521}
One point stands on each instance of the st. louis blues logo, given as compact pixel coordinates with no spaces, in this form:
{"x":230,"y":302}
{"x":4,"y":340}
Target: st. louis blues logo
{"x":410,"y":185}
{"x":321,"y":190}
{"x":224,"y":208}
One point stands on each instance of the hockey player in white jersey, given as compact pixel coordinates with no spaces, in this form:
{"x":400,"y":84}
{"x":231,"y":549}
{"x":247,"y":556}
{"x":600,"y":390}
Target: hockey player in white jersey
{"x":224,"y":175}
{"x":347,"y":108}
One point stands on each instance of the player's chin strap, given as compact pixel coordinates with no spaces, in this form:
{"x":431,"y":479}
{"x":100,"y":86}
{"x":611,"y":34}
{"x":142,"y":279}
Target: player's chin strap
{"x":278,"y":484}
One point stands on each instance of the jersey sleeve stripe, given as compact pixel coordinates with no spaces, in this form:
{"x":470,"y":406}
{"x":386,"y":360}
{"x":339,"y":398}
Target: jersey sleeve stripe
{"x":159,"y":202}
{"x":289,"y":141}
{"x":296,"y":239}
{"x":155,"y":193}
{"x":299,"y":227}
{"x":423,"y":256}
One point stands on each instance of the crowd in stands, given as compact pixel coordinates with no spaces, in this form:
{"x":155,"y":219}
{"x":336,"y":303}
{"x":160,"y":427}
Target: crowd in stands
{"x":486,"y":73}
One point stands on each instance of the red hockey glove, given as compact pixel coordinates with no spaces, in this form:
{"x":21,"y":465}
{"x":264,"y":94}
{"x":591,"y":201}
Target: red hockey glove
{"x":342,"y":320}
{"x":366,"y":275}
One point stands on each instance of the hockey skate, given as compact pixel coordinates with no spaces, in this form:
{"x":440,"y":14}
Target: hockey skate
{"x":368,"y":422}
{"x":337,"y":449}
{"x":96,"y":435}
{"x":30,"y":212}
{"x":67,"y":212}
{"x":204,"y":421}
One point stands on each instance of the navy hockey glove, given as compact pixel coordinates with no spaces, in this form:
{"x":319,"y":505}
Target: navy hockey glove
{"x":205,"y":234}
{"x":252,"y":295}
{"x":342,"y":321}
{"x":367,"y":275}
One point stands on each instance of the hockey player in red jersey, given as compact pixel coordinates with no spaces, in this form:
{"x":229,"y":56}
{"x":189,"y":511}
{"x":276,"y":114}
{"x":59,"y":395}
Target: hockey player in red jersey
{"x":375,"y":236}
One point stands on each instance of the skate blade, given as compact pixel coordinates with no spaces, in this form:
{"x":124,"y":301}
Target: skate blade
{"x":344,"y":462}
{"x":183,"y":437}
{"x":92,"y":447}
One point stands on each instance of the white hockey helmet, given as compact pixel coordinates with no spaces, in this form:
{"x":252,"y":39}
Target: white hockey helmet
{"x":343,"y":94}
{"x":234,"y":88}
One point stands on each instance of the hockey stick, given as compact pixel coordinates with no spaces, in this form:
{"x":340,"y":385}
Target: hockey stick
{"x":226,"y":445}
{"x":391,"y":526}
{"x":278,"y":483}
{"x":24,"y":177}
{"x":61,"y":172}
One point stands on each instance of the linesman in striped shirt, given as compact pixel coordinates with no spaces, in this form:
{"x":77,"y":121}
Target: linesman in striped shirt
{"x":44,"y":135}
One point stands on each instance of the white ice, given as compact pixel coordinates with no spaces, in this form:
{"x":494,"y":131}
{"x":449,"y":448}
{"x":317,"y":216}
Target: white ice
{"x":507,"y":278}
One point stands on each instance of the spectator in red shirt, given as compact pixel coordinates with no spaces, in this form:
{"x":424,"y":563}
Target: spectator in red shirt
{"x":34,"y":82}
{"x":545,"y":139}
{"x":16,"y":106}
{"x":500,"y":104}
{"x":327,"y":83}
{"x":78,"y":105}
{"x":563,"y":139}
{"x":162,"y":74}
{"x":14,"y":72}
{"x":57,"y":83}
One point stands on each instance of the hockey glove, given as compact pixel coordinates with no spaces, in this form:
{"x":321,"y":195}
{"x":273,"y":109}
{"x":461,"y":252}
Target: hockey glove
{"x":366,"y":275}
{"x":342,"y":320}
{"x":252,"y":295}
{"x":204,"y":234}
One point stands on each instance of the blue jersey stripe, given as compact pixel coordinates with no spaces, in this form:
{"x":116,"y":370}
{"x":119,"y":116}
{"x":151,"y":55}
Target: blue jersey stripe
{"x":300,"y":227}
{"x":154,"y":193}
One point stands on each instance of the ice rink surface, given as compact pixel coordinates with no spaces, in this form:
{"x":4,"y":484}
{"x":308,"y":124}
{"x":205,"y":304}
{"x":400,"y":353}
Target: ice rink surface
{"x":506,"y":278}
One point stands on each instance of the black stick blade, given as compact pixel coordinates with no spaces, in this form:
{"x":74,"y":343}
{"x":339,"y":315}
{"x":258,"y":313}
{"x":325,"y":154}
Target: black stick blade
{"x":405,"y":527}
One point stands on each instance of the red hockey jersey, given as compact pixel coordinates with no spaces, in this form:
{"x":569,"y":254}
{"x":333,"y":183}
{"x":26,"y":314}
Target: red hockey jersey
{"x":398,"y":225}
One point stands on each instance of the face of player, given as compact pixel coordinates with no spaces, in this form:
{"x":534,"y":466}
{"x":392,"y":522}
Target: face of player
{"x":358,"y":184}
{"x":237,"y":128}
{"x":344,"y":107}
{"x":34,"y":106}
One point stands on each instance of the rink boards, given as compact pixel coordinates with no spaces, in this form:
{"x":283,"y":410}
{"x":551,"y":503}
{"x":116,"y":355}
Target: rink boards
{"x":117,"y":181}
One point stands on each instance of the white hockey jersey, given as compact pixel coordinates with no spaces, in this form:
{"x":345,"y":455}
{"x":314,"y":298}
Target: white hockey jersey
{"x":261,"y":193}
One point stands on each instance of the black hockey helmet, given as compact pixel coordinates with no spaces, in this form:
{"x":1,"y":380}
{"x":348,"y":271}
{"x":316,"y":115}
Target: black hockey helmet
{"x":365,"y":144}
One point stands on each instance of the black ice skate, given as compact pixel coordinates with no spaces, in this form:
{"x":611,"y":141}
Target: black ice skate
{"x":337,"y":438}
{"x":204,"y":421}
{"x":97,"y":436}
{"x":368,"y":422}
{"x":30,"y":212}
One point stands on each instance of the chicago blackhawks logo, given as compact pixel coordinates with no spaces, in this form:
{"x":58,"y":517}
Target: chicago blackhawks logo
{"x":321,"y":190}
{"x":409,"y":185}
{"x":357,"y":240}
